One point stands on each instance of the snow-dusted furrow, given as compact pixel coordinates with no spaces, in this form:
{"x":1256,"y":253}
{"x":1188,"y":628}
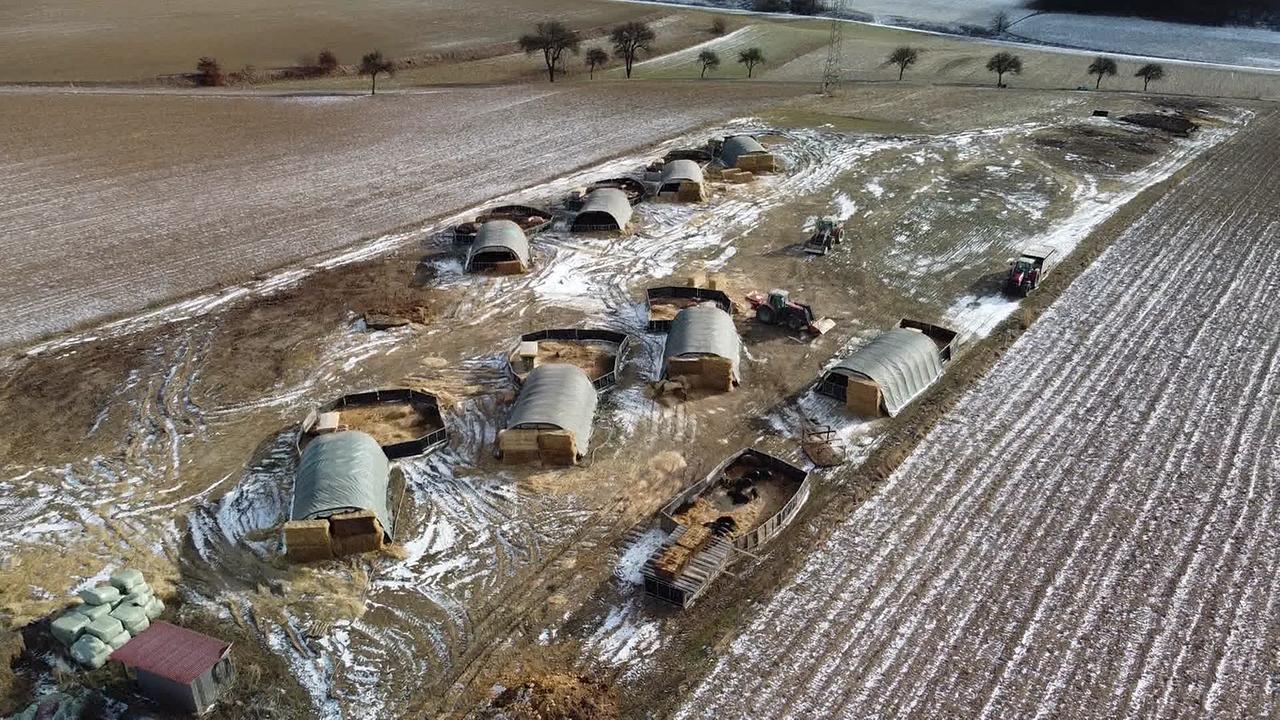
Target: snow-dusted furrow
{"x":1028,"y":430}
{"x":1092,"y":532}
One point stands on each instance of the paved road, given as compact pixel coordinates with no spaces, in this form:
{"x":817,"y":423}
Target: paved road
{"x":112,"y":202}
{"x":1094,"y":531}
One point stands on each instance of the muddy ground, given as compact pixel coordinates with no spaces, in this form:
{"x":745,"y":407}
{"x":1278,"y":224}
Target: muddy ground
{"x":173,"y":447}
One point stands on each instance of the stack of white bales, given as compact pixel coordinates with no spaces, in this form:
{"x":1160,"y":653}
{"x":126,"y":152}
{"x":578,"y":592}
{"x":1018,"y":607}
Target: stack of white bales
{"x":108,"y":618}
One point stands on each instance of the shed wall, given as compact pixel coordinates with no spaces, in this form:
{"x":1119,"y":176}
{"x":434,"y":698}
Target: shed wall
{"x":170,"y":694}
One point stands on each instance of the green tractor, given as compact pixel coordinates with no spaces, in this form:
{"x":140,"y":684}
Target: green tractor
{"x":827,"y":233}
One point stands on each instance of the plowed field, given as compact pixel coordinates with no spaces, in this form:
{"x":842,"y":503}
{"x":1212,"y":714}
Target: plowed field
{"x":1092,"y":533}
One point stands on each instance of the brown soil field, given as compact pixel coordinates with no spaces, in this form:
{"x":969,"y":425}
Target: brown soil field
{"x":1091,"y":531}
{"x":179,"y":436}
{"x":110,"y":206}
{"x":126,"y":40}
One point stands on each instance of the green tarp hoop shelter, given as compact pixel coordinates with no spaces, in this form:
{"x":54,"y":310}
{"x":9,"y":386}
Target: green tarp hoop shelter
{"x":703,"y":330}
{"x":557,"y":395}
{"x":738,"y":146}
{"x":342,"y":472}
{"x":902,"y":362}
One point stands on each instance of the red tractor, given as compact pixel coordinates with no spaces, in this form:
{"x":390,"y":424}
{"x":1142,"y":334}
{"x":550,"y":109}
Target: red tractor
{"x":777,"y":309}
{"x":1028,"y":269}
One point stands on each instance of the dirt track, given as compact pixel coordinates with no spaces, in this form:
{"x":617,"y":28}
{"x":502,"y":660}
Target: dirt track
{"x":114,"y":202}
{"x":1093,"y":531}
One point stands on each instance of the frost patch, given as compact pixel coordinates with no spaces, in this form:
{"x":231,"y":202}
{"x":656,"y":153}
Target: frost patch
{"x":633,"y":559}
{"x":625,"y":637}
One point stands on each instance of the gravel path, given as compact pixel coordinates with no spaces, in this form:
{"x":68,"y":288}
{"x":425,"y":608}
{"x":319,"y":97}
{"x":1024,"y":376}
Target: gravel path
{"x":1093,"y":531}
{"x":110,"y":203}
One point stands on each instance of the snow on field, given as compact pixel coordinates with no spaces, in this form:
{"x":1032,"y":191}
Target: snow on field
{"x":1246,"y":47}
{"x":979,"y":315}
{"x":1135,"y":37}
{"x":151,"y":204}
{"x":1093,"y":531}
{"x":892,"y":12}
{"x":725,"y":45}
{"x":467,"y":533}
{"x":626,"y":636}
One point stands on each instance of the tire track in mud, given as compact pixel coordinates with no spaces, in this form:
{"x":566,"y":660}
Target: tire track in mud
{"x":1066,"y":571}
{"x":475,"y":539}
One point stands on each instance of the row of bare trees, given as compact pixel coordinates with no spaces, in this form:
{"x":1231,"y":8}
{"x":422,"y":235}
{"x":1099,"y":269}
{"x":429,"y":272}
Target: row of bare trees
{"x":209,"y":72}
{"x":553,"y":40}
{"x":1103,"y":66}
{"x":1004,"y":63}
{"x":629,"y":40}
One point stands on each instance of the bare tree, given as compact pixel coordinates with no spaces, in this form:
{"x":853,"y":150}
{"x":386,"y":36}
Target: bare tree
{"x":1001,"y":23}
{"x":904,"y":57}
{"x":596,"y":57}
{"x":751,"y":57}
{"x":552,"y":39}
{"x":709,"y":61}
{"x":1102,"y":66}
{"x":209,"y":73}
{"x":1151,"y":72}
{"x":717,"y":27}
{"x":373,"y":64}
{"x":629,"y":39}
{"x":327,"y":62}
{"x":1004,"y":63}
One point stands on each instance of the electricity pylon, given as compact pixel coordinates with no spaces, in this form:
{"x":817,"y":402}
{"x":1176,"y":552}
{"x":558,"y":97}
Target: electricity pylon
{"x":831,"y":71}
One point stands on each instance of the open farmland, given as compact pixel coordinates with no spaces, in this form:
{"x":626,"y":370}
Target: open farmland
{"x":1226,"y":46}
{"x":1092,"y":531}
{"x":174,"y":446}
{"x":124,"y":40}
{"x":1249,"y":47}
{"x":796,"y":50}
{"x":95,"y":181}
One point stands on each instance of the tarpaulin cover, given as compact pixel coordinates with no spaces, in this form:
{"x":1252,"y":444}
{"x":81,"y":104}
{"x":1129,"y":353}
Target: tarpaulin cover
{"x":604,"y":207}
{"x":500,"y":235}
{"x":737,"y":146}
{"x":703,"y":330}
{"x":559,"y":395}
{"x":902,"y":362}
{"x":342,"y":472}
{"x":681,"y":171}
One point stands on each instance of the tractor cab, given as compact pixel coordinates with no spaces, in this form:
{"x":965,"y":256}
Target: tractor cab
{"x":826,"y":233}
{"x":1022,"y":265}
{"x":778,"y":299}
{"x":826,"y":225}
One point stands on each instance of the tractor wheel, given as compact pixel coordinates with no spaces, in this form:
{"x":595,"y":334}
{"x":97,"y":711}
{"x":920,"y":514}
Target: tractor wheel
{"x":765,"y":314}
{"x":796,"y":322}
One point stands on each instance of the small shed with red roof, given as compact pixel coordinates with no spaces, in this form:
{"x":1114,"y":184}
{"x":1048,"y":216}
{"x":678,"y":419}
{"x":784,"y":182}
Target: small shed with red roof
{"x":178,"y":668}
